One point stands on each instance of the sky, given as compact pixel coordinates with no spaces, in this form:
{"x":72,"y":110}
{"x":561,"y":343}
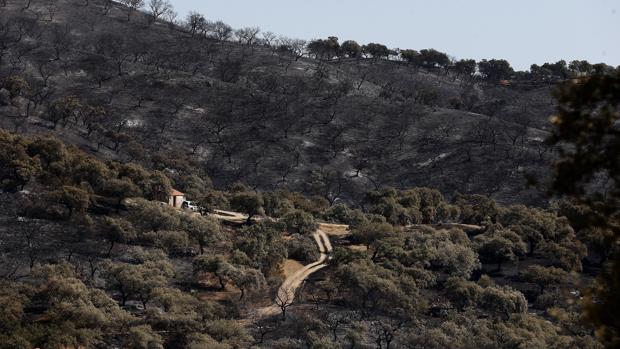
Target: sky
{"x":522,"y":31}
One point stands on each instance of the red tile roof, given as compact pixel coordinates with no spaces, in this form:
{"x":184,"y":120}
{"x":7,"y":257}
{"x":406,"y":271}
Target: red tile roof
{"x":174,"y":192}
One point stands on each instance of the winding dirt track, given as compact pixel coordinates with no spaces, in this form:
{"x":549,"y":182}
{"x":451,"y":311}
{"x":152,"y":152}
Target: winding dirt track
{"x":286,"y":292}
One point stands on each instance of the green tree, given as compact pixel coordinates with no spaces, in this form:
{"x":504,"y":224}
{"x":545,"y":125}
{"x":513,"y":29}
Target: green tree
{"x":144,"y":337}
{"x":120,"y":189}
{"x":173,"y":242}
{"x":75,"y":199}
{"x":248,"y":279}
{"x":411,"y":56}
{"x":149,"y":215}
{"x":138,"y":280}
{"x":544,"y":276}
{"x":204,"y":231}
{"x":500,"y":246}
{"x":372,"y":287}
{"x":302,"y":248}
{"x":586,"y":131}
{"x":217,"y":265}
{"x":63,"y":109}
{"x":299,"y":222}
{"x":465,"y":67}
{"x":495,"y":69}
{"x":351,"y":48}
{"x":370,"y":233}
{"x":431,"y":58}
{"x":16,"y":85}
{"x":117,"y":231}
{"x":76,"y":315}
{"x":262,"y":243}
{"x":53,"y":157}
{"x":580,"y":68}
{"x":503,"y":301}
{"x":462,"y":293}
{"x":250,"y":203}
{"x":17,"y":168}
{"x":377,"y":51}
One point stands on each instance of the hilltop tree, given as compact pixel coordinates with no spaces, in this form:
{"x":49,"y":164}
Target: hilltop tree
{"x":431,"y":58}
{"x":465,"y":67}
{"x":495,"y":69}
{"x":324,"y":49}
{"x":377,"y":51}
{"x":248,"y":35}
{"x":195,"y":22}
{"x":579,"y":68}
{"x":351,"y":49}
{"x":296,"y":47}
{"x":132,"y":6}
{"x":220,"y":31}
{"x":411,"y":56}
{"x":159,"y":9}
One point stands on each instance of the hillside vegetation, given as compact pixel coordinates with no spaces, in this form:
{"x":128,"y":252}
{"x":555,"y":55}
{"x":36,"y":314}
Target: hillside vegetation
{"x":271,"y":112}
{"x":89,"y":258}
{"x":347,"y":196}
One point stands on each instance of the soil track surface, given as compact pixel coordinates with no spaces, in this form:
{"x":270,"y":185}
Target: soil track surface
{"x":286,"y":293}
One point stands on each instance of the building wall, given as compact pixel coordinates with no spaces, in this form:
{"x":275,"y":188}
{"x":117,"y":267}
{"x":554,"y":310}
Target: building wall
{"x":176,"y":201}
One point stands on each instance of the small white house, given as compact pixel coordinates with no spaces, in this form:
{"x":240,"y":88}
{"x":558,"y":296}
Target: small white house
{"x":176,"y":198}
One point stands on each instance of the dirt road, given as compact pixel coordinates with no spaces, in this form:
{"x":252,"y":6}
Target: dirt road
{"x":229,"y":216}
{"x":286,"y":293}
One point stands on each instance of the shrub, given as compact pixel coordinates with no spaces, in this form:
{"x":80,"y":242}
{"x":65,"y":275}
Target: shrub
{"x":299,"y":222}
{"x":173,"y":242}
{"x":302,"y":248}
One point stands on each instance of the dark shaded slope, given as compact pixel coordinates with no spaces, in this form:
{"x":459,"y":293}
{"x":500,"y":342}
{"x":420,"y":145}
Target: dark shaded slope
{"x":255,"y":114}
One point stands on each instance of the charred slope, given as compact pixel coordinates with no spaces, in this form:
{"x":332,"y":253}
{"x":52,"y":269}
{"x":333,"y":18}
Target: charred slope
{"x":154,"y":94}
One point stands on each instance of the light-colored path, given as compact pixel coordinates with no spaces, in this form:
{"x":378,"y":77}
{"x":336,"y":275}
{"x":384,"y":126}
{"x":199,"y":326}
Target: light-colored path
{"x":465,"y":227}
{"x":229,"y":216}
{"x":286,"y":293}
